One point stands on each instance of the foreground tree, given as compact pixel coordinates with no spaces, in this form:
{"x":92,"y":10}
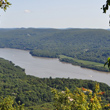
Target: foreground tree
{"x":80,"y":99}
{"x":8,"y":103}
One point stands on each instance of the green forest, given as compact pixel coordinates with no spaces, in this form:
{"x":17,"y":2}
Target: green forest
{"x":90,"y":45}
{"x":35,"y":92}
{"x":87,"y":48}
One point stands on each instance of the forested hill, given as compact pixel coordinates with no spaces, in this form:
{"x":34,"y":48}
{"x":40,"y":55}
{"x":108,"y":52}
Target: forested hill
{"x":35,"y":92}
{"x":84,"y":44}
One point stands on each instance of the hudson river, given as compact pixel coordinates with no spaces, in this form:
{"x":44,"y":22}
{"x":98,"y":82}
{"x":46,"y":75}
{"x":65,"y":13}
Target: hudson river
{"x":46,"y":67}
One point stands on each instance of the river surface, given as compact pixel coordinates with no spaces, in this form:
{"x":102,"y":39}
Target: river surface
{"x":46,"y":67}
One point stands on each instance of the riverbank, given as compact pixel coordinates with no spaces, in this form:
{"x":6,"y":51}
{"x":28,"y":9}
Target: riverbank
{"x":62,"y":58}
{"x":51,"y":67}
{"x":73,"y":61}
{"x":83,"y":63}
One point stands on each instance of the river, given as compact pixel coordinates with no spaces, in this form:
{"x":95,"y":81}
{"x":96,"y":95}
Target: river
{"x":46,"y":67}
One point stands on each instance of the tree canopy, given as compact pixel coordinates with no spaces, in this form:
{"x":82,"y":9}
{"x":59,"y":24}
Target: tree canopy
{"x":80,"y":99}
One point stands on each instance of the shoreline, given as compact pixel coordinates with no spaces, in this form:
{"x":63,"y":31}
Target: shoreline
{"x":87,"y":66}
{"x":76,"y":62}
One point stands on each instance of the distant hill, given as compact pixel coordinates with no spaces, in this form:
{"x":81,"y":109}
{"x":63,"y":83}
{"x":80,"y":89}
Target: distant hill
{"x":84,"y":44}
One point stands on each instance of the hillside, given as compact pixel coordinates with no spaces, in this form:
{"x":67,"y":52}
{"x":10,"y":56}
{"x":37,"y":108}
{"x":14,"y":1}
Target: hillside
{"x":35,"y":92}
{"x":83,"y":44}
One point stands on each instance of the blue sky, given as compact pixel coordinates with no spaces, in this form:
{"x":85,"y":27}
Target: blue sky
{"x":55,"y":14}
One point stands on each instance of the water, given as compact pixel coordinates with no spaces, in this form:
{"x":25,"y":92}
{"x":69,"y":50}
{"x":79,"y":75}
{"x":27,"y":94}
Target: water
{"x":46,"y":67}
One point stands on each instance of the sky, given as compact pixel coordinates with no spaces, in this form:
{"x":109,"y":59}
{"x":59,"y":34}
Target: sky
{"x":55,"y":14}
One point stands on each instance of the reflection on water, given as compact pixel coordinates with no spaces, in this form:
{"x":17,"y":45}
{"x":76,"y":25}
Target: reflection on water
{"x":46,"y":67}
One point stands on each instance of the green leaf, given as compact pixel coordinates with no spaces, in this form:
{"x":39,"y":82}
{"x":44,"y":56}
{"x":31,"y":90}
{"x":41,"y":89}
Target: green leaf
{"x":5,"y":0}
{"x":105,"y":63}
{"x":108,"y":59}
{"x":8,"y":3}
{"x":108,"y":65}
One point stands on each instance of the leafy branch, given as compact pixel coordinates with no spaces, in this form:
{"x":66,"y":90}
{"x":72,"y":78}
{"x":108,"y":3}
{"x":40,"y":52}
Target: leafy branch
{"x":4,"y":4}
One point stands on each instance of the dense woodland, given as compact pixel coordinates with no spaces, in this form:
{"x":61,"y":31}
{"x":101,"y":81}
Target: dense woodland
{"x":83,"y":44}
{"x":35,"y":92}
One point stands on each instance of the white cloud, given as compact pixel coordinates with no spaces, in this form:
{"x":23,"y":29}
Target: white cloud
{"x":27,"y":11}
